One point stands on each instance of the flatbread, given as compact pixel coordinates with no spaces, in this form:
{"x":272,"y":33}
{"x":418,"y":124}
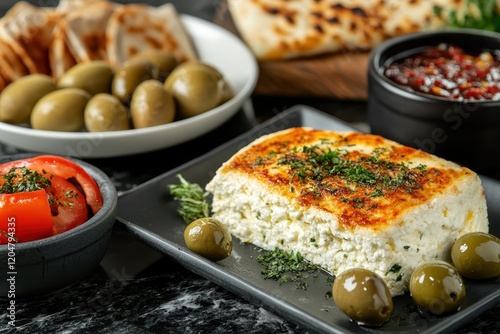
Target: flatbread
{"x":284,"y":29}
{"x":67,"y":6}
{"x":86,"y":31}
{"x":11,"y":65}
{"x":137,"y":27}
{"x":60,"y":55}
{"x":27,"y":29}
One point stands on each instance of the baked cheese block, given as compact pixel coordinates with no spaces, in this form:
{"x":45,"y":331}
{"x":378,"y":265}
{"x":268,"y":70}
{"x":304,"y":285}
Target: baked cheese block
{"x":347,"y":199}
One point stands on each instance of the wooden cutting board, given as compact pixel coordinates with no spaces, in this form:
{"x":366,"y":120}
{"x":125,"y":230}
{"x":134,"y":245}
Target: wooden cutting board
{"x":337,"y":76}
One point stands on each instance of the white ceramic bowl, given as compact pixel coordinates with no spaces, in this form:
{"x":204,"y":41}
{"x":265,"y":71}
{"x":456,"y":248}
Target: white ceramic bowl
{"x":215,"y":46}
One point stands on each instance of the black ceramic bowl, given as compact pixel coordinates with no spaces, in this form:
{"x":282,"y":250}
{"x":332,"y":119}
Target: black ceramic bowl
{"x":464,"y":132}
{"x":47,"y":265}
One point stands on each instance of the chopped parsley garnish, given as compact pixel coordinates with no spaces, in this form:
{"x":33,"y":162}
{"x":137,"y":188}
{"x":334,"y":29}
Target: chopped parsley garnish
{"x":191,"y":197}
{"x":285,"y":267}
{"x":22,"y":179}
{"x":314,"y":165}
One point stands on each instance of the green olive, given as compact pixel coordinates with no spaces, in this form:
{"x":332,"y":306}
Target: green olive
{"x":437,"y":288}
{"x":151,"y":105}
{"x":60,"y":110}
{"x":95,"y":77}
{"x":363,"y":296}
{"x":165,"y":61}
{"x":197,"y":87}
{"x":130,"y":75}
{"x":20,"y":96}
{"x":104,"y":112}
{"x":476,"y":255}
{"x":209,"y":238}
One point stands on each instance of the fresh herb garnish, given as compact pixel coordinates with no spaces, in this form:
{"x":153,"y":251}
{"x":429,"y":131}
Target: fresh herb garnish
{"x":479,"y":14}
{"x":278,"y":265}
{"x":285,"y":267}
{"x":22,"y":179}
{"x":314,"y":165}
{"x":191,"y":197}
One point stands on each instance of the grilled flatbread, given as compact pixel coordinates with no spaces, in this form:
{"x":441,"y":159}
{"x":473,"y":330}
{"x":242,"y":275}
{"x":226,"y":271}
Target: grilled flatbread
{"x":27,"y":29}
{"x":86,"y":31}
{"x":60,"y":55}
{"x":137,"y":27}
{"x":281,"y":29}
{"x":11,"y":65}
{"x":66,"y":6}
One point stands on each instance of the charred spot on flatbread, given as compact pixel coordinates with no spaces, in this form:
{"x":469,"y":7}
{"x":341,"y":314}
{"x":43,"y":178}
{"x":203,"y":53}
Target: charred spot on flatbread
{"x":27,"y":29}
{"x":136,"y":27}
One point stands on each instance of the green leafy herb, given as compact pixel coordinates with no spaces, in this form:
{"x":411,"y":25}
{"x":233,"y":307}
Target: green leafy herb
{"x":22,"y":179}
{"x":314,"y":164}
{"x":285,"y":267}
{"x":395,"y":268}
{"x":191,"y":197}
{"x":479,"y":14}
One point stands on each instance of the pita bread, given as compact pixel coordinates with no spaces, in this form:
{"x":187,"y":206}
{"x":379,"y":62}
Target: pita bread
{"x":60,"y":55}
{"x":4,"y":82}
{"x":281,"y":29}
{"x":67,"y":6}
{"x":86,"y":31}
{"x":137,"y":27}
{"x":11,"y":64}
{"x":27,"y":29}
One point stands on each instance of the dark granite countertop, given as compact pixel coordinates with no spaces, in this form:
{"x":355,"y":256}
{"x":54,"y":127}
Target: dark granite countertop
{"x":139,"y":290}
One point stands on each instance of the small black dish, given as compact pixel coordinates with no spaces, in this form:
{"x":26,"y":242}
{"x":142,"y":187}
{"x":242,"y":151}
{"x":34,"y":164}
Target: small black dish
{"x":467,"y":132}
{"x":46,"y":266}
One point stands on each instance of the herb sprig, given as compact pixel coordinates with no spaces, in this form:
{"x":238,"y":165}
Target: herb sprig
{"x":192,"y":200}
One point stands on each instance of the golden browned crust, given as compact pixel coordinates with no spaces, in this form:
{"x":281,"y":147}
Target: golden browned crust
{"x":277,"y":29}
{"x":365,"y":180}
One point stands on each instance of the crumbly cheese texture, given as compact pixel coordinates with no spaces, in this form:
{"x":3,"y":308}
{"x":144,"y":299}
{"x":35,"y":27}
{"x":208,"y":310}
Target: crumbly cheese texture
{"x":346,"y":199}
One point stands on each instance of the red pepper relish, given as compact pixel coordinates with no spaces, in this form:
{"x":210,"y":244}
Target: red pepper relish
{"x":448,"y":71}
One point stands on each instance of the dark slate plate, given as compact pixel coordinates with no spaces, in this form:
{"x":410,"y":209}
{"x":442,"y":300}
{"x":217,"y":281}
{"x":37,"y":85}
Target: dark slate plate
{"x":149,"y":212}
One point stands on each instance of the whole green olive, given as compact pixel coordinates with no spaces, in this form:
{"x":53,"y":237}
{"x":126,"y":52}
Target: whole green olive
{"x":209,"y":238}
{"x":129,"y":75}
{"x":20,"y":96}
{"x":476,"y":255}
{"x":165,"y":61}
{"x":94,"y":77}
{"x":197,"y":87}
{"x":104,"y":112}
{"x":437,"y":288}
{"x":60,"y":110}
{"x":363,"y":296}
{"x":151,"y":105}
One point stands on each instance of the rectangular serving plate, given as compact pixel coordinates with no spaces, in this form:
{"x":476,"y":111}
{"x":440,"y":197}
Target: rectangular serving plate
{"x":149,"y":212}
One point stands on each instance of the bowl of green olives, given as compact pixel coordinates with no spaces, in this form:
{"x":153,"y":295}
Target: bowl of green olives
{"x":150,"y":102}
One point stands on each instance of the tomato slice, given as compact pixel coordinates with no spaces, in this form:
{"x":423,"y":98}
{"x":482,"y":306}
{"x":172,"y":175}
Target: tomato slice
{"x":65,"y":168}
{"x":27,"y":215}
{"x":69,"y":208}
